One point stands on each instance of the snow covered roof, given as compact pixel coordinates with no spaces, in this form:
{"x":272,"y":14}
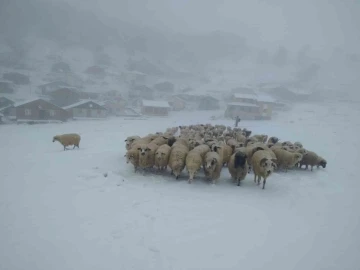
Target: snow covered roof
{"x":265,"y":98}
{"x":81,"y":103}
{"x":249,"y":96}
{"x":17,"y":104}
{"x":242,"y":104}
{"x":5,"y":107}
{"x":156,"y":103}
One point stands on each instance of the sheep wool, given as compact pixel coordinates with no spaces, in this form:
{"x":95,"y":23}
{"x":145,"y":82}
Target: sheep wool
{"x":162,"y":155}
{"x":213,"y":166}
{"x":68,"y":139}
{"x":263,"y":166}
{"x":177,"y":158}
{"x":286,"y":159}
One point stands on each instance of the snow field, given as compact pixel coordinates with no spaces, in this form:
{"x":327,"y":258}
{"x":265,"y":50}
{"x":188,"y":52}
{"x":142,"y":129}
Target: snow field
{"x":58,"y":211}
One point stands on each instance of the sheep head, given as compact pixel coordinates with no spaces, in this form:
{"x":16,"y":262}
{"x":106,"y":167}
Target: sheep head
{"x":268,"y":165}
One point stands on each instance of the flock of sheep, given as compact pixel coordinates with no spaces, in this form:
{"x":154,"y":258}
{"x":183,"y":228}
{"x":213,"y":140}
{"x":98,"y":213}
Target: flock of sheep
{"x":211,"y":148}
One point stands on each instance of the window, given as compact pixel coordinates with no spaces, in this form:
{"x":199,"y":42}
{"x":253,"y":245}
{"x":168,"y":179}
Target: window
{"x":52,"y":113}
{"x":27,"y":112}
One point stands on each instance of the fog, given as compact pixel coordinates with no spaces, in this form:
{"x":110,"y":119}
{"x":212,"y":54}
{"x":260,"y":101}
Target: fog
{"x":209,"y":42}
{"x":323,"y":24}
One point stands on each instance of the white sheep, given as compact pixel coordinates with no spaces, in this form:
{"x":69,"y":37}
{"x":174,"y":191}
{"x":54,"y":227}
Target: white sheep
{"x":213,"y":166}
{"x":177,"y":158}
{"x":132,"y":156}
{"x":193,"y":163}
{"x":129,"y":140}
{"x":263,"y":166}
{"x":68,"y":139}
{"x":286,"y":159}
{"x":162,"y":155}
{"x":238,"y":166}
{"x":147,"y":155}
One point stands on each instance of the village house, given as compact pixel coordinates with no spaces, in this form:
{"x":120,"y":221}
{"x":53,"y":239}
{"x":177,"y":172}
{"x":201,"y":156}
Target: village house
{"x":52,"y":86}
{"x":64,"y":96}
{"x":86,"y":109}
{"x":115,"y":106}
{"x":246,"y":111}
{"x":177,"y":103}
{"x":155,"y":108}
{"x":7,"y":107}
{"x":266,"y":104}
{"x":141,"y":91}
{"x":39,"y":110}
{"x":208,"y":103}
{"x":244,"y":98}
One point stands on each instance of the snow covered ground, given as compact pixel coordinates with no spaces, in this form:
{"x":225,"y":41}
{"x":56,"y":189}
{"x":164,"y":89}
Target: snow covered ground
{"x":58,"y":211}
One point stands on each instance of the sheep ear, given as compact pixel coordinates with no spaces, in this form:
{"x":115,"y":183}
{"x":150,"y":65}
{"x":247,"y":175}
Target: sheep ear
{"x":125,"y":140}
{"x":213,"y":161}
{"x":147,"y":149}
{"x":166,"y":138}
{"x":139,"y":148}
{"x":262,"y":161}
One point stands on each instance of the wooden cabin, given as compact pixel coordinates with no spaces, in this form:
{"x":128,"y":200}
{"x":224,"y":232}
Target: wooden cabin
{"x":155,"y":107}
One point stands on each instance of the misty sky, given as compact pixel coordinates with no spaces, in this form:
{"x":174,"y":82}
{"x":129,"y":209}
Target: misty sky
{"x":321,"y":23}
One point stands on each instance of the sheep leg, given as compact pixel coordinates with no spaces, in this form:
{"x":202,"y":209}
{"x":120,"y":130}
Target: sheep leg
{"x":255,"y":178}
{"x":264,"y":182}
{"x":311,"y":168}
{"x":238,"y":181}
{"x":259,"y":179}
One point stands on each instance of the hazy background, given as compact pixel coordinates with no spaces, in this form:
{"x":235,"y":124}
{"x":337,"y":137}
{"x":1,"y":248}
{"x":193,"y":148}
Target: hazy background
{"x":313,"y":45}
{"x":323,"y":23}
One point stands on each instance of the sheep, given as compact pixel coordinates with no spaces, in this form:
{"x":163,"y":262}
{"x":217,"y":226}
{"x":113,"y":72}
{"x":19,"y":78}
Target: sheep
{"x":273,"y":140}
{"x":132,"y":156}
{"x":260,"y":138}
{"x":160,"y":140}
{"x":225,"y":151}
{"x":162,"y":155}
{"x":147,"y":155}
{"x":238,"y":166}
{"x":129,"y":140}
{"x":194,"y":160}
{"x":298,"y":144}
{"x":139,"y":141}
{"x":177,"y":158}
{"x":263,"y":166}
{"x":68,"y":139}
{"x":213,"y":165}
{"x":312,"y":159}
{"x":251,"y":149}
{"x":286,"y":159}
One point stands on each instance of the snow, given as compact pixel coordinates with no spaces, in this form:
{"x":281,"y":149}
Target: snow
{"x":249,"y":96}
{"x":242,"y":104}
{"x":58,"y":211}
{"x":20,"y":103}
{"x":265,"y":98}
{"x":80,"y":103}
{"x":156,"y":103}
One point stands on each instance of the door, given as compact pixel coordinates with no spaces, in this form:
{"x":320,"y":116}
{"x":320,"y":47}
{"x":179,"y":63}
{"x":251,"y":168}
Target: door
{"x":42,"y":115}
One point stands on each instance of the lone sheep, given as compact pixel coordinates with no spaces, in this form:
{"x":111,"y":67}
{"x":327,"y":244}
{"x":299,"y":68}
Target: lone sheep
{"x":68,"y":139}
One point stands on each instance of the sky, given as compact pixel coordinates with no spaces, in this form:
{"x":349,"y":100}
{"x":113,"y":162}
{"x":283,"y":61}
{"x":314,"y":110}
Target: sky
{"x":324,"y":24}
